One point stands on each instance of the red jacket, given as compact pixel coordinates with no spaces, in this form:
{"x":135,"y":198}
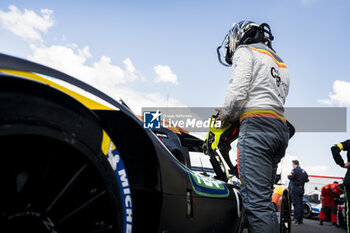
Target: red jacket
{"x":329,"y":192}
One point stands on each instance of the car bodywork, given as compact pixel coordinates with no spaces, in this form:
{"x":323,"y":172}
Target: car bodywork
{"x":104,"y":148}
{"x":311,"y":209}
{"x":180,"y":143}
{"x":280,"y":197}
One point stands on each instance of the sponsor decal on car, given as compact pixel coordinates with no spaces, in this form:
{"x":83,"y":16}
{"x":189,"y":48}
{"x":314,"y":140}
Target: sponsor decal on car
{"x":206,"y":186}
{"x":116,"y":162}
{"x":315,"y":210}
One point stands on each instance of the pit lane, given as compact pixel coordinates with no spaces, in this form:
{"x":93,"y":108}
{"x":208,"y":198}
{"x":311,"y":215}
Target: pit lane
{"x":312,"y":226}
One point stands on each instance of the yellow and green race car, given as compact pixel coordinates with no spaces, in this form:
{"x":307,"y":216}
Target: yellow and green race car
{"x":69,"y":163}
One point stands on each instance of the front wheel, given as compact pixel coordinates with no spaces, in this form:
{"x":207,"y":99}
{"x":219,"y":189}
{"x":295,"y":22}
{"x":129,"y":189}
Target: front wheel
{"x":307,"y":210}
{"x":53,"y":175}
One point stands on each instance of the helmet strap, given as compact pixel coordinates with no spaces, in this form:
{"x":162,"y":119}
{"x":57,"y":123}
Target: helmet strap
{"x":227,"y":59}
{"x":265,"y":28}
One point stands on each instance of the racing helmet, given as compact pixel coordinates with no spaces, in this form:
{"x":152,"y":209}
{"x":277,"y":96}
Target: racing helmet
{"x":244,"y":32}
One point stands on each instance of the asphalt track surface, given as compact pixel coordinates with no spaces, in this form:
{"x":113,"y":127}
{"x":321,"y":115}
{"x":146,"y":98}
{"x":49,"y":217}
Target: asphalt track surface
{"x":312,"y":226}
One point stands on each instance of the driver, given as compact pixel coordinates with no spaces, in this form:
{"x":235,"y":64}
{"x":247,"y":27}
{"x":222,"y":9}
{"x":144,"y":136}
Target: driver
{"x":255,"y":95}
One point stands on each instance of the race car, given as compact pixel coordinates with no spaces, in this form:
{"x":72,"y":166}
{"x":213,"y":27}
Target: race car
{"x":70,"y":163}
{"x":311,"y":208}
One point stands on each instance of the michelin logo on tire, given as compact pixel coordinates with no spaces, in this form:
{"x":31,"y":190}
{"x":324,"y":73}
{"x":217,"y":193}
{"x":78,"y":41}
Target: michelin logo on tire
{"x":119,"y":169}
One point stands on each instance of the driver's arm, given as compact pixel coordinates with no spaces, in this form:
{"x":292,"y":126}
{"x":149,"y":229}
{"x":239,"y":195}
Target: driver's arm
{"x":237,"y":90}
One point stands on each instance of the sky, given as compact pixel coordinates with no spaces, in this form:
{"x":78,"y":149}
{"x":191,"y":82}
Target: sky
{"x":163,"y":53}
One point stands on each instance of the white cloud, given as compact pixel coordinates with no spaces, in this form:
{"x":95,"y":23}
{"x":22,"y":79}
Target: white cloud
{"x":130,"y":70}
{"x":129,"y":66}
{"x":103,"y":74}
{"x":27,"y":24}
{"x":164,"y":74}
{"x":73,"y":60}
{"x":340,"y":95}
{"x":136,"y":100}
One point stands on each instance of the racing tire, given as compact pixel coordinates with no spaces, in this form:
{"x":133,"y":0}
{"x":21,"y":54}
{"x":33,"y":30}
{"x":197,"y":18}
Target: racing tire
{"x":285,"y":216}
{"x":53,"y":175}
{"x":307,"y":210}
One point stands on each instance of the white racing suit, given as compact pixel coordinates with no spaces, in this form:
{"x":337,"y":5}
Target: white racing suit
{"x":256,"y":93}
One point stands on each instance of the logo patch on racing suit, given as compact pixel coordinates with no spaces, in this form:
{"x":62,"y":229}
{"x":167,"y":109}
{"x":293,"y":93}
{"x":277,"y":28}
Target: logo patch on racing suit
{"x":206,"y":186}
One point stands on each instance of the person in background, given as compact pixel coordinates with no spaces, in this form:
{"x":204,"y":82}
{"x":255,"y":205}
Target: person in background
{"x":329,"y":193}
{"x":298,"y":177}
{"x":336,"y":149}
